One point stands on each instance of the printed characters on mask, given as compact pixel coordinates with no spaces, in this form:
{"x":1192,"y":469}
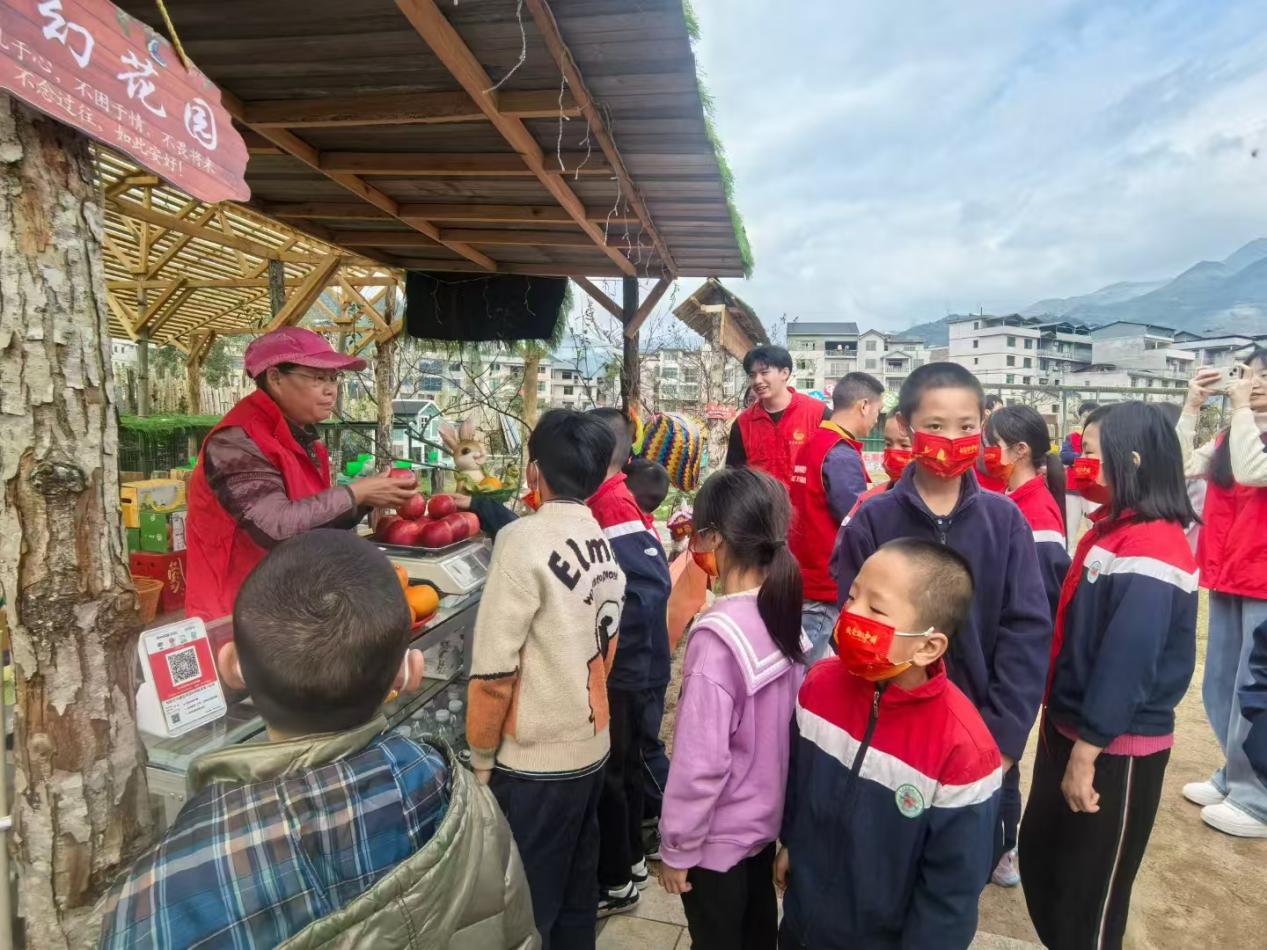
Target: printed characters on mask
{"x":946,"y":457}
{"x":1084,"y":474}
{"x":864,"y":643}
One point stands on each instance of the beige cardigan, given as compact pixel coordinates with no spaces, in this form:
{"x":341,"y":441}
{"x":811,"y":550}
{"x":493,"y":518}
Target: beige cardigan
{"x":1249,"y":460}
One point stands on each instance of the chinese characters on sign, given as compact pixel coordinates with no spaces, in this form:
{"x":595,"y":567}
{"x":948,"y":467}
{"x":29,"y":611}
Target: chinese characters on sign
{"x":90,"y":65}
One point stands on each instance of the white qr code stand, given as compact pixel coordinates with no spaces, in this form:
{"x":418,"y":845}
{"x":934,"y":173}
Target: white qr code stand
{"x":180,"y":690}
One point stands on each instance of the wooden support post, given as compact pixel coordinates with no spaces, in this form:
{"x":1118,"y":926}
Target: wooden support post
{"x":276,"y":286}
{"x":142,"y":364}
{"x":385,"y":386}
{"x":630,"y":371}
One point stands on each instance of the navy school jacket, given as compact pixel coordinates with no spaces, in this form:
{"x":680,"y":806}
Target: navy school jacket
{"x":1125,"y":631}
{"x":890,"y":816}
{"x":1047,"y":524}
{"x":1000,"y":657}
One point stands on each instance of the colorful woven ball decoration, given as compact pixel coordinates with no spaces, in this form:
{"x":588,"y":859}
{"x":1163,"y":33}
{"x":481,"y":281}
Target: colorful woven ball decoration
{"x":675,"y":442}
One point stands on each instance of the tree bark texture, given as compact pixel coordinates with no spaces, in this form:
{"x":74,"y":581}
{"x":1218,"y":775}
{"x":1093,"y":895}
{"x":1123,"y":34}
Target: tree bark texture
{"x":630,"y":374}
{"x":82,"y":805}
{"x":384,"y":393}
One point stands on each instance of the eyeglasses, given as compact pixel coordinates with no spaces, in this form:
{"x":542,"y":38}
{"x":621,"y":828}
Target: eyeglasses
{"x":318,"y":380}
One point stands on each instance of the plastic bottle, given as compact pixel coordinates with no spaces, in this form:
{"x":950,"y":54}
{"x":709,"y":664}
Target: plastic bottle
{"x":444,"y":727}
{"x":455,"y":708}
{"x":421,"y":723}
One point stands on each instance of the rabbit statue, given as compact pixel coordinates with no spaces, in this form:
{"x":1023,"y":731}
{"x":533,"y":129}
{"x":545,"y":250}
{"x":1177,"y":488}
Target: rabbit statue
{"x":468,"y":455}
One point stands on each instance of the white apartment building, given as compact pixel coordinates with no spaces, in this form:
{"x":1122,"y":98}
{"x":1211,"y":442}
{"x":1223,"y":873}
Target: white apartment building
{"x":1217,"y":350}
{"x":676,"y":379}
{"x":824,"y":352}
{"x":1016,"y":350}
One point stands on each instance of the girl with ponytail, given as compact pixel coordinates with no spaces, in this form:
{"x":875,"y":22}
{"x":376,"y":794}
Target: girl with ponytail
{"x":1018,"y":454}
{"x":744,"y":664}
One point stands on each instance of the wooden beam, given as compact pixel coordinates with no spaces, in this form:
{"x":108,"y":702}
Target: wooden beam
{"x":128,"y":182}
{"x":543,"y":17}
{"x":398,"y":108}
{"x":311,"y":157}
{"x":647,"y":305}
{"x":177,"y":301}
{"x":215,"y":318}
{"x":599,"y":297}
{"x":368,"y":307}
{"x":335,"y":210}
{"x":144,"y":319}
{"x":452,"y":51}
{"x":179,"y":244}
{"x":233,"y":283}
{"x":436,"y":211}
{"x":566,"y":269}
{"x":299,"y":301}
{"x":121,"y":314}
{"x":115,"y":250}
{"x":201,"y":231}
{"x":454,"y":165}
{"x":521,"y":238}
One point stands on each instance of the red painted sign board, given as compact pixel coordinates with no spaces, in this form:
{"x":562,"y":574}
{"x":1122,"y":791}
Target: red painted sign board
{"x":88,"y":64}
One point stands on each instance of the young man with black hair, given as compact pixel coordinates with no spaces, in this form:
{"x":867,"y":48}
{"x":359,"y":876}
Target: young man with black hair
{"x":893,"y":791}
{"x":638,"y":676}
{"x":827,"y":479}
{"x":544,"y":640}
{"x":333,"y":830}
{"x":771,"y":432}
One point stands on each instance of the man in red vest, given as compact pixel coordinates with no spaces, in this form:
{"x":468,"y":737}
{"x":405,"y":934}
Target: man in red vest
{"x":827,"y":479}
{"x":263,"y":474}
{"x":769,"y":433}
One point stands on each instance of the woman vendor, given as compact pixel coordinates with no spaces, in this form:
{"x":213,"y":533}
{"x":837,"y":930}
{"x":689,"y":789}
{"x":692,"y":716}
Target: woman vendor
{"x":263,"y":474}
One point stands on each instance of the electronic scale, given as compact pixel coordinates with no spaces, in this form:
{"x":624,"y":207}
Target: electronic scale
{"x":456,"y":569}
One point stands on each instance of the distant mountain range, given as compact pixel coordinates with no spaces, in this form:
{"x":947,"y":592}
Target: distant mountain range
{"x":1209,"y":298}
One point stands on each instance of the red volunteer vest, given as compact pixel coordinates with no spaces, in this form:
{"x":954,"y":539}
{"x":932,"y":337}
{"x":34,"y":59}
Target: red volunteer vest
{"x":221,"y":553}
{"x":1232,"y":543}
{"x":813,"y":533}
{"x":773,"y":446}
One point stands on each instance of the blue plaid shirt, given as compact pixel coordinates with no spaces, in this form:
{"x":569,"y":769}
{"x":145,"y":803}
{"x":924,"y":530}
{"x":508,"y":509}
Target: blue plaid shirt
{"x":248,"y":865}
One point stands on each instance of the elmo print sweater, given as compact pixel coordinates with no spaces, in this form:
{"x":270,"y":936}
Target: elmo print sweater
{"x":545,"y":636}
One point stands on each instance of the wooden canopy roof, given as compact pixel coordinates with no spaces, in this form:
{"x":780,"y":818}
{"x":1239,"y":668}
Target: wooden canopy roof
{"x":717,"y":314}
{"x":404,"y":131}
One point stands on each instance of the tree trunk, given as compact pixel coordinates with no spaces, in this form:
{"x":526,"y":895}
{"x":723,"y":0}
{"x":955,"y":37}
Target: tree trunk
{"x":193,"y":377}
{"x":630,"y":383}
{"x":384,"y":393}
{"x":143,"y":365}
{"x":82,"y":806}
{"x":276,"y":286}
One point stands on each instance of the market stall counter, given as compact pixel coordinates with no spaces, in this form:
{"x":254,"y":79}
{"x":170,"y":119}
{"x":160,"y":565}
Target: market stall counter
{"x":436,"y":708}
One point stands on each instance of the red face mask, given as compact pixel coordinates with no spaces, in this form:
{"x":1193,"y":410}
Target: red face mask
{"x":946,"y":457}
{"x":1085,"y":472}
{"x":995,"y":467}
{"x":706,"y":561}
{"x":864,"y":643}
{"x":895,"y":462}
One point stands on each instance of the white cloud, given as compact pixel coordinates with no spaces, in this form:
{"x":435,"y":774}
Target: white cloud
{"x":896,"y":159}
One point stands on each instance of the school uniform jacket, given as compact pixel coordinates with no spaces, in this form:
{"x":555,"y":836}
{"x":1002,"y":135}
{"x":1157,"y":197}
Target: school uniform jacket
{"x":1043,"y":515}
{"x":1000,"y":657}
{"x":890,"y":814}
{"x":1125,"y":631}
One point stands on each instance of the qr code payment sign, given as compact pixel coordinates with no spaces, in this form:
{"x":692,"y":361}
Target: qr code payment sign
{"x":183,"y":666}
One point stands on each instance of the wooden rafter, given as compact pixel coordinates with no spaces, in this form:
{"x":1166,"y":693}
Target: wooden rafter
{"x":179,"y":244}
{"x":453,"y":165}
{"x":452,"y":51}
{"x":543,"y":17}
{"x":143,"y":321}
{"x":600,"y":298}
{"x":367,"y":307}
{"x":647,"y":305}
{"x":399,"y":108}
{"x":170,"y":311}
{"x":297,"y":303}
{"x":310,"y":156}
{"x":121,"y":314}
{"x":471,"y":213}
{"x":236,"y":283}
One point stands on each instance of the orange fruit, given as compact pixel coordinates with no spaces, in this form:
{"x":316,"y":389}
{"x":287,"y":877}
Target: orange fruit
{"x":423,"y":600}
{"x":402,"y":575}
{"x":491,"y":483}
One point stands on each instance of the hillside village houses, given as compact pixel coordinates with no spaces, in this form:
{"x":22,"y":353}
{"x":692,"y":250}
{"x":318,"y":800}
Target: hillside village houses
{"x":824,"y":352}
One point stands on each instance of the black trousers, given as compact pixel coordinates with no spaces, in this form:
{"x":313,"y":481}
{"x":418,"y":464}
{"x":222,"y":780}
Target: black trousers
{"x":735,"y":909}
{"x":1078,"y":868}
{"x":555,"y":824}
{"x":655,"y":761}
{"x":620,"y":806}
{"x":1010,"y":806}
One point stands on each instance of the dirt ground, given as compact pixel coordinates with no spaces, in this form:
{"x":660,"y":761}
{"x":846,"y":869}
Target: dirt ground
{"x":1197,"y":887}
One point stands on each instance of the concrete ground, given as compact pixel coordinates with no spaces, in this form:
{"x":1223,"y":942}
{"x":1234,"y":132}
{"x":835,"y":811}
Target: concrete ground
{"x":1197,"y":887}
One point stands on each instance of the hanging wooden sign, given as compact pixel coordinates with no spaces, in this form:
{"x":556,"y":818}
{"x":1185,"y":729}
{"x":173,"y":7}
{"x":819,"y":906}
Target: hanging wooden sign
{"x":94,"y":67}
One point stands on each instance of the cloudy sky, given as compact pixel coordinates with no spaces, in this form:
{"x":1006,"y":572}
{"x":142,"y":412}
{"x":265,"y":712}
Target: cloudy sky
{"x":899,"y":160}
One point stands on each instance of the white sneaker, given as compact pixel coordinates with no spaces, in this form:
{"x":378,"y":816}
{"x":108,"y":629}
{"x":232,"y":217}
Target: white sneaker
{"x":1203,"y":793}
{"x":640,"y":874}
{"x":1007,"y":873}
{"x":1230,"y":820}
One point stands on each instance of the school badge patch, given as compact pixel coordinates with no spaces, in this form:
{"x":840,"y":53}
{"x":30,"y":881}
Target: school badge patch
{"x":1093,"y":572}
{"x":910,"y":801}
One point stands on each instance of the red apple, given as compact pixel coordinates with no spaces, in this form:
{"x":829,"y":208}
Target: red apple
{"x":404,"y":475}
{"x":473,"y":523}
{"x":403,"y":532}
{"x":435,"y":534}
{"x":441,"y":505}
{"x":384,"y":522}
{"x":458,"y":525}
{"x":414,"y":508}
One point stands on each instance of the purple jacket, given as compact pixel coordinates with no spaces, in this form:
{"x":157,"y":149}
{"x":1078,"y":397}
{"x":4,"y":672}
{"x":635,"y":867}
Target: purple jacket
{"x":724,"y":800}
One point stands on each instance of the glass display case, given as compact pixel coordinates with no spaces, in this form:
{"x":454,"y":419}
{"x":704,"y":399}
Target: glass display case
{"x":446,"y":644}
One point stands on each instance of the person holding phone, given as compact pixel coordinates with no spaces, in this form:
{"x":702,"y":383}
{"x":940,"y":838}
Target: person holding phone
{"x":1232,"y":553}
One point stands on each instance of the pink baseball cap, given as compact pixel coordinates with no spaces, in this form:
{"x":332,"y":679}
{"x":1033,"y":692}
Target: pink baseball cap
{"x":295,"y":345}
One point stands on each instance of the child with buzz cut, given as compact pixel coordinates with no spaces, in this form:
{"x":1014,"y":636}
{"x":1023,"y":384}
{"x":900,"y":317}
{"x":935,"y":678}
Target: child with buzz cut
{"x":334,"y":832}
{"x":545,"y":637}
{"x":890,"y":819}
{"x":1000,"y":657}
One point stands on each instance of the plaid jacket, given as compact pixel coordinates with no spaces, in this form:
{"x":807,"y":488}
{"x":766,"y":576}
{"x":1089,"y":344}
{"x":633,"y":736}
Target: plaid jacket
{"x":278,"y":835}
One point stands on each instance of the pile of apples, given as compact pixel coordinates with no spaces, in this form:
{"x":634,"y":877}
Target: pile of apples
{"x":427,"y":523}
